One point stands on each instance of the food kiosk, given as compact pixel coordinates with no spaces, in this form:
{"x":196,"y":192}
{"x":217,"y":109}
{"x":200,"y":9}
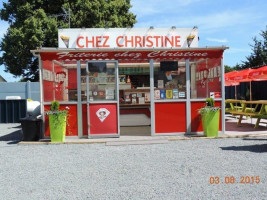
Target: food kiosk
{"x":114,"y":77}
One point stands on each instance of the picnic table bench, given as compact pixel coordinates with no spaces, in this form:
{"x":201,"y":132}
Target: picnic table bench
{"x":251,"y":112}
{"x":235,"y":105}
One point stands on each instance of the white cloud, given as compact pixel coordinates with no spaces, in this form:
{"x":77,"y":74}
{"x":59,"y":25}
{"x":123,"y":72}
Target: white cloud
{"x":186,"y":2}
{"x":220,"y":20}
{"x":153,"y":7}
{"x":187,"y":14}
{"x":228,"y":18}
{"x":217,"y":40}
{"x":238,"y":50}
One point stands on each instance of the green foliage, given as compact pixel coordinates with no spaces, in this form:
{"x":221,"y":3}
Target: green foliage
{"x":237,"y":67}
{"x":54,"y":109}
{"x":209,"y":107}
{"x":227,"y":69}
{"x":33,"y":23}
{"x":210,"y":102}
{"x":54,"y":106}
{"x":258,"y":57}
{"x":56,"y":116}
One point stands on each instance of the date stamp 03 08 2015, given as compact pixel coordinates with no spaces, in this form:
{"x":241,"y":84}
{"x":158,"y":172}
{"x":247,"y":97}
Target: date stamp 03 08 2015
{"x":234,"y":180}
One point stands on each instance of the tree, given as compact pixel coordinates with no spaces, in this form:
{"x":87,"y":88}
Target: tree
{"x":34,"y":23}
{"x":227,"y":69}
{"x":258,"y":57}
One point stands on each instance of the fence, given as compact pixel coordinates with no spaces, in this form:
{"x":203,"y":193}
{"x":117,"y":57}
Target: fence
{"x":26,"y":90}
{"x":11,"y":111}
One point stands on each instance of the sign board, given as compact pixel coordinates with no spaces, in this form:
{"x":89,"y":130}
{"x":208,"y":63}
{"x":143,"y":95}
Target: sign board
{"x":215,"y":95}
{"x":131,"y":55}
{"x":142,"y":38}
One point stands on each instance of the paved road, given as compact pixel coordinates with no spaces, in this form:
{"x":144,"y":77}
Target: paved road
{"x":176,"y":170}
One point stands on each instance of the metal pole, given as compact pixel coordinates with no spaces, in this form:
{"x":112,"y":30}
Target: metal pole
{"x":152,"y":104}
{"x":79,"y":106}
{"x":87,"y":100}
{"x":117,"y":95}
{"x":41,"y":93}
{"x":235,"y":93}
{"x":250,"y":94}
{"x":188,"y":98}
{"x":28,"y":90}
{"x":223,"y":97}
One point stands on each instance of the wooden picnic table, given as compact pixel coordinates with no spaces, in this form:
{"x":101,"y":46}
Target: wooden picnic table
{"x":235,"y":105}
{"x":247,"y":111}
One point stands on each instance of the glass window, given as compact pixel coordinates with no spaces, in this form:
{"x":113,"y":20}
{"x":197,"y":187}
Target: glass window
{"x":170,"y":80}
{"x":205,"y":78}
{"x":48,"y":81}
{"x":102,"y":81}
{"x":72,"y":82}
{"x":59,"y":81}
{"x":84,"y":78}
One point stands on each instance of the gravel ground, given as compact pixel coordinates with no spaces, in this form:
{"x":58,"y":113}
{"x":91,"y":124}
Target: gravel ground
{"x":176,"y":170}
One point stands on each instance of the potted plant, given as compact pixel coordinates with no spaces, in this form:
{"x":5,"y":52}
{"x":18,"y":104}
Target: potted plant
{"x":210,"y":116}
{"x":57,"y":122}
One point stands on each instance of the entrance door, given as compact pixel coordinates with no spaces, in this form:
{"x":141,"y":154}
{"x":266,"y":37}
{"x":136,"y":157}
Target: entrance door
{"x":102,"y":101}
{"x":134,"y":93}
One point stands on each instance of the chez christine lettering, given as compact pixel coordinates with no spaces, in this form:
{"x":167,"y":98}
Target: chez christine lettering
{"x":129,"y":41}
{"x":175,"y":54}
{"x":127,"y":55}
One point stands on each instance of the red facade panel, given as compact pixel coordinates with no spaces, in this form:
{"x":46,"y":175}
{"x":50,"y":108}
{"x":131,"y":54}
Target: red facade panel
{"x":103,"y":119}
{"x":85,"y":120}
{"x":170,"y":117}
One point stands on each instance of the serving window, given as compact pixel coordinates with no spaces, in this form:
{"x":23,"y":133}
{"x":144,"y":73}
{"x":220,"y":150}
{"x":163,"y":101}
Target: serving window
{"x":102,"y":81}
{"x":170,"y":80}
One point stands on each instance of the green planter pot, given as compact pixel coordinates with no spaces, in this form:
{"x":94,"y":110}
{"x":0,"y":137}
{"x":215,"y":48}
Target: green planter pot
{"x":57,"y":124}
{"x":210,"y":123}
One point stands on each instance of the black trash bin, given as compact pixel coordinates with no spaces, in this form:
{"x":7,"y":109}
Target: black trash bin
{"x":31,"y":128}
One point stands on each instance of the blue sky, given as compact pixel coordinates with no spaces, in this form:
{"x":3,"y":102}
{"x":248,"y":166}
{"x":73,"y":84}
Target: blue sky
{"x":230,"y":23}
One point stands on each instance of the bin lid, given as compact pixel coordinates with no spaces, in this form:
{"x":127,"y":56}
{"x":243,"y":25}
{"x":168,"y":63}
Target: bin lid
{"x":12,"y":97}
{"x":30,"y":118}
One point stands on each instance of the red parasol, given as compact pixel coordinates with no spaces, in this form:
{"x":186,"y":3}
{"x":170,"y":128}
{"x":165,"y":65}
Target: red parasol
{"x":243,"y":75}
{"x":234,"y":78}
{"x":229,"y":78}
{"x":259,"y":74}
{"x":240,"y":76}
